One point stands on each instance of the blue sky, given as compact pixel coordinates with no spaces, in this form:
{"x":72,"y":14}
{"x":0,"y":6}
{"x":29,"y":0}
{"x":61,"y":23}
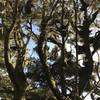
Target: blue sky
{"x":32,"y":43}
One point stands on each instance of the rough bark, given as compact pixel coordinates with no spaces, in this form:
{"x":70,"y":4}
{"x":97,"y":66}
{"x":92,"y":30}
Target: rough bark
{"x":16,"y":74}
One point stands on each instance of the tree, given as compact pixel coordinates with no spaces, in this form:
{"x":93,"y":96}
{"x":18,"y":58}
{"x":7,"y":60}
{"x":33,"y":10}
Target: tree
{"x":58,"y":68}
{"x":61,"y":18}
{"x":12,"y":31}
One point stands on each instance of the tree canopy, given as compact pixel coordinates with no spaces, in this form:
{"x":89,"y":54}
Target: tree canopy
{"x":64,"y":60}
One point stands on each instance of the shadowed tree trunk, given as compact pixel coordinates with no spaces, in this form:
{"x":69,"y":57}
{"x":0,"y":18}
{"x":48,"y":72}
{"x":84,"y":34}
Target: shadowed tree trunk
{"x":16,"y":73}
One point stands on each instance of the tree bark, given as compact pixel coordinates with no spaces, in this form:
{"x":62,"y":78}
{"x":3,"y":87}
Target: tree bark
{"x":19,"y":95}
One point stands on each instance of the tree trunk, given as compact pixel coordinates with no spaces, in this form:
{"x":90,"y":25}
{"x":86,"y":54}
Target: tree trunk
{"x":19,"y":94}
{"x":19,"y":97}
